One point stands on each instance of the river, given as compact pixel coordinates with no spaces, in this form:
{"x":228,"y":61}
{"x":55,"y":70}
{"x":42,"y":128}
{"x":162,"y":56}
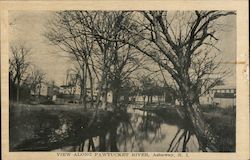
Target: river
{"x":131,"y":131}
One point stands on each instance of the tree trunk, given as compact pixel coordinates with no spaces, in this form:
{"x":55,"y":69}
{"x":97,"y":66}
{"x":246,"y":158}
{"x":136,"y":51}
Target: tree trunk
{"x":144,"y":100}
{"x":195,"y":117}
{"x":115,"y":96}
{"x":85,"y":87}
{"x":190,"y":101}
{"x":18,"y":87}
{"x":104,"y":97}
{"x":17,"y":93}
{"x":205,"y":138}
{"x":91,"y":145}
{"x":39,"y":92}
{"x":113,"y":140}
{"x":116,"y":92}
{"x":104,"y":89}
{"x":91,"y":87}
{"x":102,"y":140}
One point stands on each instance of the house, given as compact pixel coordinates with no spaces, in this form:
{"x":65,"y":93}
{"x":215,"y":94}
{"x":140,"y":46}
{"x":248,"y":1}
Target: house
{"x":110,"y":96}
{"x":70,"y":89}
{"x":222,"y":96}
{"x":44,"y":89}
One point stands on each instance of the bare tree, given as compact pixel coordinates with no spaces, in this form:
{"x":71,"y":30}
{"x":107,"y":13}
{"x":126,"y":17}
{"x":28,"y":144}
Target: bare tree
{"x":18,"y":66}
{"x":72,"y":79}
{"x":35,"y":80}
{"x":184,"y":45}
{"x":80,"y":33}
{"x":125,"y":62}
{"x":118,"y":60}
{"x":64,"y":32}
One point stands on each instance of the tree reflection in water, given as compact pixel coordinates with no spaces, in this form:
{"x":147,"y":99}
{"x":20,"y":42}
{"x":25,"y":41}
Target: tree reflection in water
{"x":147,"y":129}
{"x":132,"y":131}
{"x":141,"y":132}
{"x":181,"y":134}
{"x":139,"y":129}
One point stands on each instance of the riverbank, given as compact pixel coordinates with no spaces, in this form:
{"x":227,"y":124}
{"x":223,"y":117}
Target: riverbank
{"x":222,"y":121}
{"x":48,"y":127}
{"x":223,"y":124}
{"x":59,"y":123}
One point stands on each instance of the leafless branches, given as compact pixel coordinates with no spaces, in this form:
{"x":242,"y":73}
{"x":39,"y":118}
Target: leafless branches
{"x":18,"y":65}
{"x":35,"y":80}
{"x":182,"y":43}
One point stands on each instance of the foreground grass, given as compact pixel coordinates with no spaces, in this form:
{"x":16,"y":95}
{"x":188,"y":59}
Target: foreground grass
{"x":48,"y":127}
{"x":223,"y":124}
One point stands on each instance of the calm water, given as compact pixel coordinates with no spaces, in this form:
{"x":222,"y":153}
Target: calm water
{"x":134,"y":131}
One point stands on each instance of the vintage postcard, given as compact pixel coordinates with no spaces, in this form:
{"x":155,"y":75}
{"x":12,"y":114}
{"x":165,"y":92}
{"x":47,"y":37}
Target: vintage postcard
{"x":124,"y":80}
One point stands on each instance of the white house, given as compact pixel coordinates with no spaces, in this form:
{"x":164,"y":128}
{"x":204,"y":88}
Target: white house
{"x":110,"y":96}
{"x":41,"y":89}
{"x":222,"y":96}
{"x":45,"y":89}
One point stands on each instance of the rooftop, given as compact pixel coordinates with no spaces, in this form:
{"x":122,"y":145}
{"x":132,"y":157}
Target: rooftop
{"x":224,"y":87}
{"x":224,"y":95}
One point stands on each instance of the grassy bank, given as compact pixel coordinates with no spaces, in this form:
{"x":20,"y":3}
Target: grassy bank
{"x":223,"y":124}
{"x":52,"y":126}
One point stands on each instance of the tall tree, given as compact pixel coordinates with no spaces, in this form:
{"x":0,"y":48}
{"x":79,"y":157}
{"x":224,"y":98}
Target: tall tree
{"x":66,"y":32}
{"x":18,"y":66}
{"x":184,"y":45}
{"x":72,"y":78}
{"x":80,"y":34}
{"x":119,"y":60}
{"x":35,"y":80}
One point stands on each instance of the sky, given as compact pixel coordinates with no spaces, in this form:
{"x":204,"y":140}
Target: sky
{"x":29,"y":27}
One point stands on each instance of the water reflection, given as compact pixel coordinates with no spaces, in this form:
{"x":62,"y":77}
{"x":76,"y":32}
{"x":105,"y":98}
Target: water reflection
{"x":131,"y":131}
{"x":150,"y":133}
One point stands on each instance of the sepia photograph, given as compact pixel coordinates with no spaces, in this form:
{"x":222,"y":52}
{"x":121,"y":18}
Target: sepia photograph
{"x":122,"y":81}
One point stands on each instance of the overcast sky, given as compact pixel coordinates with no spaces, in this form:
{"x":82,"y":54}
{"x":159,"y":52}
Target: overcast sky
{"x":29,"y":26}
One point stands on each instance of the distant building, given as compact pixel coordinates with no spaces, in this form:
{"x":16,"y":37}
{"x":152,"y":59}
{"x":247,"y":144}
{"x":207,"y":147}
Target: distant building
{"x":110,"y":96}
{"x":45,"y":89}
{"x":69,"y":89}
{"x":52,"y":90}
{"x":95,"y":92}
{"x":222,"y":96}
